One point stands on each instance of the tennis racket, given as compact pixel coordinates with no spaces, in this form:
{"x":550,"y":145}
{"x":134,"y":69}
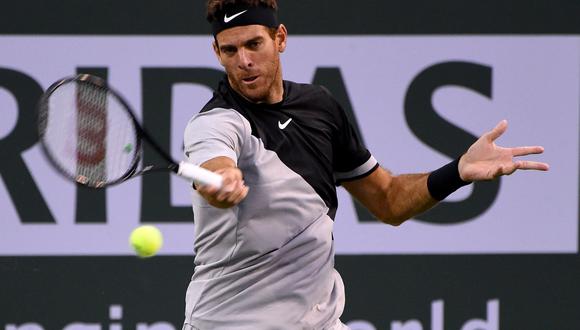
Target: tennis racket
{"x":90,"y":135}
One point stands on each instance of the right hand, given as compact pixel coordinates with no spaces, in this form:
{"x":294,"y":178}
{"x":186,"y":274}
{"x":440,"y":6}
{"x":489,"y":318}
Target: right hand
{"x":232,"y":192}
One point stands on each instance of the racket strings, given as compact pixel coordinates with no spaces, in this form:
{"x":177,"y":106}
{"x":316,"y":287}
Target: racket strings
{"x":89,"y":134}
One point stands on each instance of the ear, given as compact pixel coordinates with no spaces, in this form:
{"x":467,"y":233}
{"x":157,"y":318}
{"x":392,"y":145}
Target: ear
{"x":216,"y":51}
{"x":281,"y":37}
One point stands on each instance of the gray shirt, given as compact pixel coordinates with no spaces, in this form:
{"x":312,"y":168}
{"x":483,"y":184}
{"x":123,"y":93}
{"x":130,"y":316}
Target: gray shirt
{"x":268,"y":263}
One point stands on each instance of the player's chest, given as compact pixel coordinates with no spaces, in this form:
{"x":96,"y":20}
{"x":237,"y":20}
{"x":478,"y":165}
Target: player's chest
{"x":304,"y":132}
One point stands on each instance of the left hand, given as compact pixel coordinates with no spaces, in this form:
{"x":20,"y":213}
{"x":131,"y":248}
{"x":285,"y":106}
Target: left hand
{"x":485,"y":160}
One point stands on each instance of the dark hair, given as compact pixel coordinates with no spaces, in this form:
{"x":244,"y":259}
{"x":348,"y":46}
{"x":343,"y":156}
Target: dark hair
{"x":214,"y":6}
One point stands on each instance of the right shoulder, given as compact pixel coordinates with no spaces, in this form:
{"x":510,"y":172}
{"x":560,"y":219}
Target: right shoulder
{"x":218,"y":108}
{"x":213,"y":133}
{"x":216,"y":102}
{"x":218,"y":118}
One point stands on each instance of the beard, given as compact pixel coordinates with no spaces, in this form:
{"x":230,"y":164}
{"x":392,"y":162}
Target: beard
{"x":260,"y":90}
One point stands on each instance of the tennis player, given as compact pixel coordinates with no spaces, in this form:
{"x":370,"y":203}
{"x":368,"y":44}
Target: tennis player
{"x":264,"y":246}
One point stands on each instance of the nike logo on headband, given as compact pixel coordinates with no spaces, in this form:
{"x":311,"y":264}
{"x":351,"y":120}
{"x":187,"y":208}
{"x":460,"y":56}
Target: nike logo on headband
{"x":228,"y":19}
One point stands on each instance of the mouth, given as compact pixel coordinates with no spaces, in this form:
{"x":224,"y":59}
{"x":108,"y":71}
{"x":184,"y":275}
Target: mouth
{"x":249,"y":80}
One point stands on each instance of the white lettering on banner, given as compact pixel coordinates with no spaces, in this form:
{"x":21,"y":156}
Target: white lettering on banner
{"x":25,"y":326}
{"x":115,"y":314}
{"x":492,"y":322}
{"x":82,"y":326}
{"x":532,"y":79}
{"x":407,"y":325}
{"x":155,"y":326}
{"x":361,"y":325}
{"x":437,"y":322}
{"x":88,"y":326}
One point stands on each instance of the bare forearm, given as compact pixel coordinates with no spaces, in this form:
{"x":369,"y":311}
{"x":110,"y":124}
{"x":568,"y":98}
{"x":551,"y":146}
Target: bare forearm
{"x":406,"y":197}
{"x":392,"y":199}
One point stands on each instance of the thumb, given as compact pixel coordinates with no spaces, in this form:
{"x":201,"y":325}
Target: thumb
{"x":498,"y":130}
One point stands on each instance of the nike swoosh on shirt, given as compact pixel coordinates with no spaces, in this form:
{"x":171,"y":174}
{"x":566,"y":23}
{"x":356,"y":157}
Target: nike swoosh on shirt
{"x":283,"y":126}
{"x":228,"y":19}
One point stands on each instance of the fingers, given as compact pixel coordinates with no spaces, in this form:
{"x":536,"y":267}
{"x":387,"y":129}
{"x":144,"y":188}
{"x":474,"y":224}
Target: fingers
{"x":230,"y":195}
{"x":230,"y":174}
{"x":232,"y":192}
{"x":520,"y":165}
{"x":497,"y":131}
{"x":527,"y":164}
{"x":530,"y":165}
{"x":206,"y":189}
{"x":524,"y":151}
{"x":238,"y":194}
{"x":508,"y":169}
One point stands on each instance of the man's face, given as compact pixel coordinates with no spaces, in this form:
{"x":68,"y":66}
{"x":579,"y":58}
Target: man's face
{"x":251,"y":59}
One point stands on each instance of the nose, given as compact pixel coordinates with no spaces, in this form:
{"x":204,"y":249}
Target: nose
{"x":245,"y":60}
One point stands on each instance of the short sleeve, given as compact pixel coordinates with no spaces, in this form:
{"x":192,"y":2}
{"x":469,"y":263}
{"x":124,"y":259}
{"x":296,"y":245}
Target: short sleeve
{"x":351,"y":159}
{"x":214,"y":133}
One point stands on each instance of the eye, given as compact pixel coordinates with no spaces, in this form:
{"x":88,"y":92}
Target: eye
{"x":229,"y":51}
{"x":254,"y":44}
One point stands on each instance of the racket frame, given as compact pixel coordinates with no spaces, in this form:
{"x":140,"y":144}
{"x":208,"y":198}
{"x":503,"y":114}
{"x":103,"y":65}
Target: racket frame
{"x":140,"y":132}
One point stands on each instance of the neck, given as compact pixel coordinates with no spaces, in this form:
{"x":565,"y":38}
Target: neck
{"x":276,"y":92}
{"x":277,"y":89}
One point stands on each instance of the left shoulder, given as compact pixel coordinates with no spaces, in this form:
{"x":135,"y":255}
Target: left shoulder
{"x":309,"y":93}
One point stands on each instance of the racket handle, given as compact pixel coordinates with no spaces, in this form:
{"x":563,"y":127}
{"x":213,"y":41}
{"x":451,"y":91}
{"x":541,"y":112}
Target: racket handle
{"x":199,"y":175}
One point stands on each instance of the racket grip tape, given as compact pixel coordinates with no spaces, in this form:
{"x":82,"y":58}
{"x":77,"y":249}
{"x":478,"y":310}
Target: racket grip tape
{"x":199,"y":175}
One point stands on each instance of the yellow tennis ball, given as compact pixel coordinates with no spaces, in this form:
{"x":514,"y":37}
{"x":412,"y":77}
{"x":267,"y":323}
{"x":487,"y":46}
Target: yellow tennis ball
{"x":146,"y":240}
